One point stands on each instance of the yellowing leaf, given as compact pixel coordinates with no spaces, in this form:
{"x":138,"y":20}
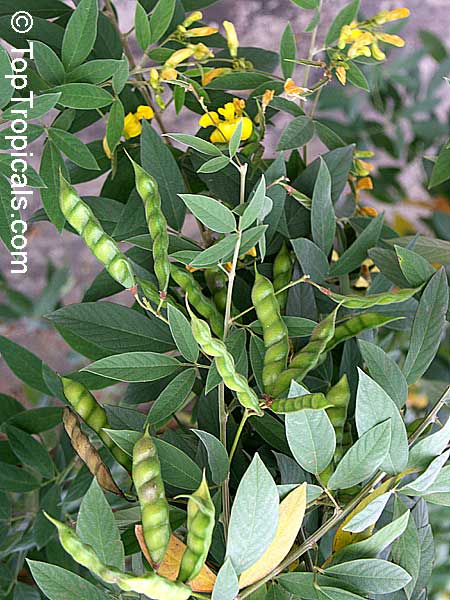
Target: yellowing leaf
{"x":292,"y":511}
{"x":170,"y":566}
{"x":344,"y":538}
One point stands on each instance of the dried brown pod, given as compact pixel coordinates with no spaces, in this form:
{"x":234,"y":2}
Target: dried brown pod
{"x":88,"y":453}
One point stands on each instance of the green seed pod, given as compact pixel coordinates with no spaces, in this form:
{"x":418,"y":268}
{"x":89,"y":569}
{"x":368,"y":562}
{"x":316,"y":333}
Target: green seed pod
{"x":289,"y":405}
{"x":200,"y":524}
{"x":147,"y":188}
{"x":309,"y":357}
{"x":88,"y":453}
{"x":151,"y":584}
{"x":150,"y":490}
{"x":205,"y":306}
{"x":94,"y":415}
{"x":151,"y":293}
{"x":338,"y":398}
{"x":225,"y":364}
{"x":216,"y":280}
{"x":282,"y":274}
{"x":103,"y":247}
{"x":356,"y":325}
{"x":276,"y":337}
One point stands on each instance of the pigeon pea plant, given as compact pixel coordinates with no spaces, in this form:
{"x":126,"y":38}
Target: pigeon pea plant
{"x":263,"y":445}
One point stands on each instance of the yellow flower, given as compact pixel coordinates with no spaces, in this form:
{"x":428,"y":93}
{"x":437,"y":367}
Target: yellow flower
{"x":232,"y":39}
{"x":169,"y":74}
{"x":341,"y":74}
{"x":106,"y":148}
{"x":267,"y":99}
{"x":201,"y":52}
{"x":132,"y":123}
{"x":365,"y":183}
{"x":201,"y":31}
{"x":294,"y":90}
{"x":394,"y":40}
{"x":178,"y":57}
{"x":213,"y":74}
{"x":360,"y":46}
{"x":368,"y":211}
{"x":144,"y":112}
{"x":225,"y":127}
{"x":131,"y":126}
{"x":377,"y":53}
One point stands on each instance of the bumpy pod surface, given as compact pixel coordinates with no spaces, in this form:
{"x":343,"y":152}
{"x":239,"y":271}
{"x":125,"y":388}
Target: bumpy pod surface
{"x":88,"y":453}
{"x":338,"y":398}
{"x":147,"y":188}
{"x":205,"y":306}
{"x":152,"y":498}
{"x":356,"y":325}
{"x":200,"y":524}
{"x":311,"y":401}
{"x":216,"y":280}
{"x":103,"y":247}
{"x":151,"y":585}
{"x":282,"y":274}
{"x":275,"y":332}
{"x":309,"y":357}
{"x":225,"y":364}
{"x":94,"y":415}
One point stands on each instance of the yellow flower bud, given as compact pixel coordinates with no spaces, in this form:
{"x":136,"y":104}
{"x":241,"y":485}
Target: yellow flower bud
{"x":369,"y":211}
{"x":106,"y":148}
{"x":232,"y":39}
{"x":394,"y":40}
{"x":131,"y":126}
{"x":192,"y":18}
{"x":292,"y":89}
{"x":395,"y":14}
{"x":154,"y":77}
{"x":365,"y":183}
{"x":341,"y":74}
{"x":201,"y":52}
{"x":169,"y":74}
{"x":213,"y":74}
{"x":160,"y":102}
{"x":267,"y":99}
{"x":239,"y":106}
{"x":179,"y":56}
{"x":201,"y":31}
{"x":377,"y":53}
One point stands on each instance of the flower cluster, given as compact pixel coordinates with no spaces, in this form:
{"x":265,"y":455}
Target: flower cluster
{"x":232,"y":113}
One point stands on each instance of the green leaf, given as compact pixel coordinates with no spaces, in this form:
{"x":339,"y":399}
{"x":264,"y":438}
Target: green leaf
{"x":257,"y":352}
{"x":376,"y":543}
{"x":307,"y":4}
{"x":73,"y":148}
{"x":83,"y":96}
{"x":114,"y":127}
{"x":58,"y":584}
{"x":9,"y":407}
{"x":157,"y":159}
{"x":297,"y":326}
{"x":161,"y":18}
{"x":441,"y":169}
{"x":427,"y":478}
{"x":142,"y":27}
{"x":406,"y":549}
{"x":356,"y":77}
{"x":120,"y":77}
{"x":373,"y":405}
{"x":255,"y":207}
{"x":177,"y":468}
{"x":97,"y":330}
{"x":369,"y":515}
{"x":363,"y":458}
{"x":15,"y":479}
{"x":385,"y":372}
{"x":311,"y":439}
{"x":333,"y":593}
{"x":217,"y":456}
{"x":221,"y":251}
{"x":80,"y":34}
{"x":254,"y":516}
{"x":427,"y":328}
{"x":36,"y":420}
{"x":24,"y":364}
{"x":354,"y":256}
{"x":172,"y":399}
{"x":210,"y":212}
{"x":96,"y":526}
{"x":297,"y":133}
{"x":239,"y":81}
{"x":7,"y":90}
{"x":311,"y":258}
{"x":288,"y":49}
{"x":214,"y":165}
{"x":423,"y":452}
{"x":226,"y":586}
{"x":29,"y":451}
{"x":48,"y":63}
{"x":323,"y":219}
{"x":371,"y":575}
{"x":198,"y":144}
{"x":94,"y":71}
{"x":344,"y":17}
{"x":134,"y":366}
{"x":41,"y":106}
{"x":235,"y":140}
{"x":182,"y":334}
{"x":415,"y":268}
{"x":51,"y":165}
{"x":326,"y":135}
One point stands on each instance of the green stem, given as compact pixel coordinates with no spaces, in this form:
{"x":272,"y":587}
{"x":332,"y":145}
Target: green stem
{"x":245,"y":416}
